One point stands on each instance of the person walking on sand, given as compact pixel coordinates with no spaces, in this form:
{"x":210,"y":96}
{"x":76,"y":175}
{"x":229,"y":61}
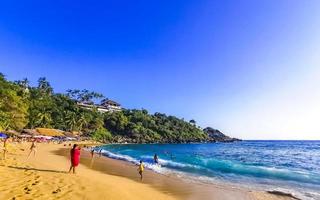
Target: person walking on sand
{"x":141,"y":169}
{"x":75,"y":157}
{"x":33,"y":148}
{"x":5,"y":147}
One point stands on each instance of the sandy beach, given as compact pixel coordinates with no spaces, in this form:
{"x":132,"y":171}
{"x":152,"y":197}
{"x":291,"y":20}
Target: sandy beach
{"x":45,"y":177}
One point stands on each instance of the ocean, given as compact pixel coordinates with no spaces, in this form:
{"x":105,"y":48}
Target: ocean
{"x":287,"y":166}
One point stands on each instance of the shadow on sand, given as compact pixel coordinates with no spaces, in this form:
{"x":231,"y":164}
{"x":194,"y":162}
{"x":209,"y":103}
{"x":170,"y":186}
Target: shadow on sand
{"x":35,"y":169}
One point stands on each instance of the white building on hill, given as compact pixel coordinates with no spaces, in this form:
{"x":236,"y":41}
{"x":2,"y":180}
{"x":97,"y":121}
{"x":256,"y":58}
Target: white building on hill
{"x":106,"y":105}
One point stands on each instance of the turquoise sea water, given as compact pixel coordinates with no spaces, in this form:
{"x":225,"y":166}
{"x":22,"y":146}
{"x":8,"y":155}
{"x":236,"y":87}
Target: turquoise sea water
{"x":289,"y":166}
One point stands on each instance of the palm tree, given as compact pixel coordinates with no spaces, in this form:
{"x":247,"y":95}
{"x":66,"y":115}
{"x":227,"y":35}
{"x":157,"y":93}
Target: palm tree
{"x":83,"y":120}
{"x":24,"y":83}
{"x":44,"y":86}
{"x":71,"y":121}
{"x":4,"y":121}
{"x":44,"y":119}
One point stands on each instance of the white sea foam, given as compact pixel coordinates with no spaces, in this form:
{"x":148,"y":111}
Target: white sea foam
{"x":119,"y":156}
{"x":171,"y":163}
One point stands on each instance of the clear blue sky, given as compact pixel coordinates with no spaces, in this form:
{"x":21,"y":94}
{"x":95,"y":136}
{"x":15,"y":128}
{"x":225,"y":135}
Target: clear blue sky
{"x":248,"y":68}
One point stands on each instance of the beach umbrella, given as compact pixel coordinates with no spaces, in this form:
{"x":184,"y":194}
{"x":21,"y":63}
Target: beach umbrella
{"x":3,"y":135}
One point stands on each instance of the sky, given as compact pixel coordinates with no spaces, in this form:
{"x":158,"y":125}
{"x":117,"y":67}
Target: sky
{"x":248,"y":68}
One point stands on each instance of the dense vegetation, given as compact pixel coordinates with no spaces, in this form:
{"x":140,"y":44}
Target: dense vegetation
{"x":23,"y":106}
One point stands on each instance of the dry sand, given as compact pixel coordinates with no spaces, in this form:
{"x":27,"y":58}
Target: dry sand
{"x":45,"y":177}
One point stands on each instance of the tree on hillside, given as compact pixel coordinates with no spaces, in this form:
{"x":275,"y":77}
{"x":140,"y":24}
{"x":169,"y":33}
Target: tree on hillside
{"x":83,"y":121}
{"x":193,"y":122}
{"x":84,"y":96}
{"x":102,"y":134}
{"x":44,"y":86}
{"x":71,"y":121}
{"x":4,"y":120}
{"x":13,"y":107}
{"x":44,"y":119}
{"x":24,"y":83}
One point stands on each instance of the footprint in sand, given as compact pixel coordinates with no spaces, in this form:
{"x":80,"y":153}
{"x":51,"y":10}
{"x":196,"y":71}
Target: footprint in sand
{"x":56,"y":191}
{"x":27,"y":190}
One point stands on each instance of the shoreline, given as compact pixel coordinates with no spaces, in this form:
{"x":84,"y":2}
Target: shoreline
{"x":166,"y":184}
{"x":179,"y":167}
{"x":183,"y":189}
{"x":45,"y":177}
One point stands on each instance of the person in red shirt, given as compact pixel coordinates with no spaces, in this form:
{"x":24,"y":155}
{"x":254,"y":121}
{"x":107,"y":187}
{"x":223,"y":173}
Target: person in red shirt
{"x":75,"y":157}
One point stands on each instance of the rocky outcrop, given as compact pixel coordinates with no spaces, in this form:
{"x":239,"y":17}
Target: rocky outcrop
{"x":213,"y":135}
{"x":217,"y":136}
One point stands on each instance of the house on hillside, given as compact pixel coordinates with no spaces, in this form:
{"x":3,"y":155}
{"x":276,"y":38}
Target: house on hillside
{"x":106,"y":105}
{"x":111,"y":105}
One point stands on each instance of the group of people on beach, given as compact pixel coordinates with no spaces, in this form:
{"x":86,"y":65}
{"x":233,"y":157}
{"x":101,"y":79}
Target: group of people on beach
{"x":6,"y":147}
{"x":74,"y":155}
{"x":75,"y":159}
{"x":141,"y":165}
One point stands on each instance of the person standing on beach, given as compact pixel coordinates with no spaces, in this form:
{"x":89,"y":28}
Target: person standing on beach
{"x":100,"y":152}
{"x":33,"y":148}
{"x":75,"y":157}
{"x":156,"y":159}
{"x":92,"y":153}
{"x":141,"y":169}
{"x":92,"y":157}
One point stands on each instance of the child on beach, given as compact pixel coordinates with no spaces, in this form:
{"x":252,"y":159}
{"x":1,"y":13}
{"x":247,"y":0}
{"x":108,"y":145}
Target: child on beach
{"x":141,"y":169}
{"x":75,"y":157}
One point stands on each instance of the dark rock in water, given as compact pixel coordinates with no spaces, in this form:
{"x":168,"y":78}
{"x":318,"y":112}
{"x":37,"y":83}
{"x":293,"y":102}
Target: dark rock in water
{"x":217,"y":136}
{"x":284,"y":194}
